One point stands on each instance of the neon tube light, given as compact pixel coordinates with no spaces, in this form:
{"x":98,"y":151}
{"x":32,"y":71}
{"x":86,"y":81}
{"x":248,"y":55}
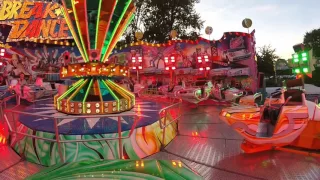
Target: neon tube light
{"x":116,"y":27}
{"x":113,"y":95}
{"x":68,"y":92}
{"x":75,"y":93}
{"x":85,"y":96}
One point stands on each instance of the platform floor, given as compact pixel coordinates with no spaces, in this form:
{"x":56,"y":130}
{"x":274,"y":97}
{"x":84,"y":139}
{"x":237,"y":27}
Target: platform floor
{"x":215,"y":153}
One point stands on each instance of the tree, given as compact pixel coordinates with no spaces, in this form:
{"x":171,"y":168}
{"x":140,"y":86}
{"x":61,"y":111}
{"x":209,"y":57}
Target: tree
{"x":312,"y":39}
{"x":156,"y":19}
{"x":266,"y":60}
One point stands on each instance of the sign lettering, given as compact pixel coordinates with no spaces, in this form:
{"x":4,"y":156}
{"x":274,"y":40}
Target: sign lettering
{"x":33,"y":20}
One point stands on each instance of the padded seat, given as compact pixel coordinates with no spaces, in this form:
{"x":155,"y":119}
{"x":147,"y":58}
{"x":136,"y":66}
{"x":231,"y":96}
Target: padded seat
{"x":296,"y":95}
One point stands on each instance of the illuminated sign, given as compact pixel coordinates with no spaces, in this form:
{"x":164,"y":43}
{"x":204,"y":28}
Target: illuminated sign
{"x":34,"y":20}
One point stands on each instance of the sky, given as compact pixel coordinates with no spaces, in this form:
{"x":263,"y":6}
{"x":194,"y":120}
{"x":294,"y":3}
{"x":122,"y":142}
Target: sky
{"x":280,"y":23}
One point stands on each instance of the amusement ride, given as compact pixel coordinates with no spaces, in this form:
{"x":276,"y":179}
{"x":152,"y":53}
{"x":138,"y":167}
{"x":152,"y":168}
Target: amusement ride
{"x":92,"y":121}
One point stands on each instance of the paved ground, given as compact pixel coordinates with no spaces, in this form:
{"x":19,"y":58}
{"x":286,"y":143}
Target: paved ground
{"x":215,"y":153}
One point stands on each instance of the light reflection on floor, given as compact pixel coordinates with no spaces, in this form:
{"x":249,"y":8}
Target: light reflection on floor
{"x":215,"y":152}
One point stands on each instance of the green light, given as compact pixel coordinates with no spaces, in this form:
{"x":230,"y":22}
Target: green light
{"x":305,"y":70}
{"x":75,"y":85}
{"x":304,"y":59}
{"x":105,"y":48}
{"x":113,"y":95}
{"x":297,"y":71}
{"x":128,"y":23}
{"x":296,"y":60}
{"x":74,"y":35}
{"x":79,"y":31}
{"x":85,"y":97}
{"x":130,"y":94}
{"x":97,"y":25}
{"x":295,"y":56}
{"x":304,"y":54}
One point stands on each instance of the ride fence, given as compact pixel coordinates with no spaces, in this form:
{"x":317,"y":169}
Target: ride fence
{"x":11,"y":117}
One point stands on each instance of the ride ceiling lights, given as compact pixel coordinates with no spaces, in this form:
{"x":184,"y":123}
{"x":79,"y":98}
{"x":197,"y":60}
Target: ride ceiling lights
{"x":96,"y":26}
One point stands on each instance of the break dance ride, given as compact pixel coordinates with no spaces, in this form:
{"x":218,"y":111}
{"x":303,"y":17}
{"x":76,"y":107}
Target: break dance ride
{"x":295,"y":122}
{"x":95,"y":118}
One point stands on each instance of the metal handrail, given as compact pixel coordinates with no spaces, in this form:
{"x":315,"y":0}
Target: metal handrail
{"x":13,"y":130}
{"x":56,"y":129}
{"x":165,"y":110}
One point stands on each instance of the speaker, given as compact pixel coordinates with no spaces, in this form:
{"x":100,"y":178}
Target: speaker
{"x":298,"y":48}
{"x":94,"y":55}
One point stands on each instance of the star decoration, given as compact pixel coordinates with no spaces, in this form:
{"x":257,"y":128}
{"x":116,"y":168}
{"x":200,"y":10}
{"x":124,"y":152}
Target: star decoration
{"x":58,"y":12}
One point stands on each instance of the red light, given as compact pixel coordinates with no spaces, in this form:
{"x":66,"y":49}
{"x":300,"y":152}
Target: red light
{"x":173,"y":68}
{"x":201,"y":69}
{"x":199,"y":57}
{"x":133,"y":61}
{"x":134,"y":67}
{"x":207,"y":68}
{"x":140,"y":67}
{"x":200,"y":61}
{"x":172,"y":60}
{"x":140,"y":59}
{"x":206,"y":57}
{"x":207,"y":60}
{"x":167,"y":68}
{"x":172,"y":57}
{"x":1,"y":63}
{"x":133,"y":58}
{"x":166,"y":61}
{"x":195,"y":134}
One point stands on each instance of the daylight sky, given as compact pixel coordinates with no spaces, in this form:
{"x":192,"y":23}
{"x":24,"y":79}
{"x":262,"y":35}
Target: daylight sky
{"x":280,"y":23}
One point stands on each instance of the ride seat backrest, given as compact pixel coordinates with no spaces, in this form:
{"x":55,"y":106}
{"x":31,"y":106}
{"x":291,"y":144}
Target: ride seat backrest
{"x":296,"y":95}
{"x":272,"y":113}
{"x":294,"y":83}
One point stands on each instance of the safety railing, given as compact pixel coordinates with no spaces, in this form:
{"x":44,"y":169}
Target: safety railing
{"x":12,"y":124}
{"x":3,"y":104}
{"x":164,"y":115}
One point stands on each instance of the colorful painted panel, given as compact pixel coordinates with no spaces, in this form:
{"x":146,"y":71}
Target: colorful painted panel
{"x":119,"y":169}
{"x":145,"y":140}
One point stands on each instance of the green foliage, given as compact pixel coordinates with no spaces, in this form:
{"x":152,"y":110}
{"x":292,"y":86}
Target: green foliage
{"x":313,"y":38}
{"x":156,"y":19}
{"x":266,"y":58}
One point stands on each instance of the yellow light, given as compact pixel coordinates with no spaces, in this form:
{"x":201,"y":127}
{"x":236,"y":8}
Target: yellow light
{"x":174,"y":163}
{"x":228,"y":115}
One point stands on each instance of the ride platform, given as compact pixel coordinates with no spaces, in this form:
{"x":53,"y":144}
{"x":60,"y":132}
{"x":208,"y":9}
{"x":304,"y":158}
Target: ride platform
{"x":47,"y":137}
{"x":204,"y":144}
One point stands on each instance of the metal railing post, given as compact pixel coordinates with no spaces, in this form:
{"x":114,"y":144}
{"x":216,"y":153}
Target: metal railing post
{"x":15,"y":128}
{"x":56,"y":130}
{"x":164,"y":129}
{"x":120,"y":137}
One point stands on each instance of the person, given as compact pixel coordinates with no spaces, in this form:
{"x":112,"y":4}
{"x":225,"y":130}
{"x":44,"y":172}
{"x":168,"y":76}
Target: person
{"x":2,"y":81}
{"x":22,"y":80}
